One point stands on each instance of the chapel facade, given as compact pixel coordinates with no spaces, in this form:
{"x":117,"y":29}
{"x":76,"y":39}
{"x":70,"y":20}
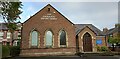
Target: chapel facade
{"x":48,"y":32}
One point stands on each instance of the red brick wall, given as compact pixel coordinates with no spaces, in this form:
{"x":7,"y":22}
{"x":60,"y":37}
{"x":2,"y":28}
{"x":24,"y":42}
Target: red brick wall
{"x":41,"y":25}
{"x":103,"y":40}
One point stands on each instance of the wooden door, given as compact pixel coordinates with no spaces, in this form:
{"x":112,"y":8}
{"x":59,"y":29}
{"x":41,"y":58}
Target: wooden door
{"x":87,"y":42}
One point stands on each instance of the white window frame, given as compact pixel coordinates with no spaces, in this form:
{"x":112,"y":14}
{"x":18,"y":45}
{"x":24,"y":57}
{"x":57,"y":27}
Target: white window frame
{"x":1,"y":35}
{"x":8,"y":35}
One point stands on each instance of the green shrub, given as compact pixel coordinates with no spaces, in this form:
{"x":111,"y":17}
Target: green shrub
{"x":98,"y":48}
{"x":5,"y":51}
{"x":104,"y":48}
{"x":14,"y":50}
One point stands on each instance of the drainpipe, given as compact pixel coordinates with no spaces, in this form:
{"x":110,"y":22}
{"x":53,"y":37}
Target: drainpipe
{"x":77,"y":44}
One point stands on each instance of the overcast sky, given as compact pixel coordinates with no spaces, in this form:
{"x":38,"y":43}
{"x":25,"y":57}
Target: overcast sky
{"x":100,"y":14}
{"x":69,"y":0}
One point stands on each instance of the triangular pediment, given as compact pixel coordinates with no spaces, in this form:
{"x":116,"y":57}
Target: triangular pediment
{"x":48,"y":13}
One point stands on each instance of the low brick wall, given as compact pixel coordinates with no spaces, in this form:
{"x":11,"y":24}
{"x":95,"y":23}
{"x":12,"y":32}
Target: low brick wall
{"x":116,"y":49}
{"x":48,"y":52}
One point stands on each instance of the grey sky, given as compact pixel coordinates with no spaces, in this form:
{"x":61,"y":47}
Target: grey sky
{"x":100,"y":14}
{"x":69,"y":0}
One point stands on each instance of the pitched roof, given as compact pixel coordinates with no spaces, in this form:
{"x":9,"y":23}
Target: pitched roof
{"x":3,"y":26}
{"x":80,"y":27}
{"x":113,"y":30}
{"x":54,"y":9}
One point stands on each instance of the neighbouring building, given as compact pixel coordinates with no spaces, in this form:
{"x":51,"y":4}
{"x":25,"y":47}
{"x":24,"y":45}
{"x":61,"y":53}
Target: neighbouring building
{"x":113,"y":32}
{"x":48,"y":32}
{"x":5,"y":35}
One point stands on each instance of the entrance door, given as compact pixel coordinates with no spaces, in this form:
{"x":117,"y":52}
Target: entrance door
{"x":87,"y":42}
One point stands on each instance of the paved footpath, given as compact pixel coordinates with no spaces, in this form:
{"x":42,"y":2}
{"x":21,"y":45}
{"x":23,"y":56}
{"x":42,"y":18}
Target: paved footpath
{"x":70,"y":57}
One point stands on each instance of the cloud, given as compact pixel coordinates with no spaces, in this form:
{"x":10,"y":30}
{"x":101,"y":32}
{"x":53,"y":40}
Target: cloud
{"x":101,"y":14}
{"x":69,"y":0}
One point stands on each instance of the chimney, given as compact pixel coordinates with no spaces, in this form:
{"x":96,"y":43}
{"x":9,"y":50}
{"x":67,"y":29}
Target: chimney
{"x":116,"y":25}
{"x":105,"y":30}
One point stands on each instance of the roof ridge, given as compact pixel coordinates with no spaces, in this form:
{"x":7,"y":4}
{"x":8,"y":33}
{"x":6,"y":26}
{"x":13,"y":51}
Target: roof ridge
{"x":83,"y":24}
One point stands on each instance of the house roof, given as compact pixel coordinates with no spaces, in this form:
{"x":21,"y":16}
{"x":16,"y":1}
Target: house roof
{"x":3,"y":26}
{"x":113,"y":30}
{"x":80,"y":27}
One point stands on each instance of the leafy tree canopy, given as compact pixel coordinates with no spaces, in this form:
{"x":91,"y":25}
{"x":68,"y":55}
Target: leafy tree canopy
{"x":10,"y":12}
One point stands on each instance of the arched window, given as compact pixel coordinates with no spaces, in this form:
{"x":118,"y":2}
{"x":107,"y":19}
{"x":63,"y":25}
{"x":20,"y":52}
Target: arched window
{"x":62,"y":38}
{"x":49,"y":39}
{"x":34,"y":39}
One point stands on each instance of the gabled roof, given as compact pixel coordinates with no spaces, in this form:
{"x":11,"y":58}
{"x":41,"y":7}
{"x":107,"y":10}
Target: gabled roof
{"x":3,"y":26}
{"x":114,"y":30}
{"x":54,"y":9}
{"x":80,"y":27}
{"x":111,"y":31}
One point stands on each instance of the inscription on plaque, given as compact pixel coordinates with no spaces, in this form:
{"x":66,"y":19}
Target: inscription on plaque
{"x":48,"y":17}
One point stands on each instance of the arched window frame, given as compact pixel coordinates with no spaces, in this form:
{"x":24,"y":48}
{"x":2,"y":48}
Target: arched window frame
{"x":30,"y":39}
{"x":52,"y":38}
{"x":59,"y":39}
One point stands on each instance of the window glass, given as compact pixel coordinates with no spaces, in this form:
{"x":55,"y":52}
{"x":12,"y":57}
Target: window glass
{"x":62,"y":37}
{"x":1,"y":35}
{"x":34,"y":37}
{"x":49,"y":39}
{"x":8,"y":35}
{"x":19,"y":35}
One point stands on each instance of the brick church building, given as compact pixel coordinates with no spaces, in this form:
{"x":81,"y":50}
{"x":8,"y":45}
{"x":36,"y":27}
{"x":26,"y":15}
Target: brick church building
{"x":48,"y":32}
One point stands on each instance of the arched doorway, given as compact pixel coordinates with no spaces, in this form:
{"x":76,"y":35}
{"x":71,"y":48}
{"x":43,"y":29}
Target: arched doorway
{"x":87,"y":42}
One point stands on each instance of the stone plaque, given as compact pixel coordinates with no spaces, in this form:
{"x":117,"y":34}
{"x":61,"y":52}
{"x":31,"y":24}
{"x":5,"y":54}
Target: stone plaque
{"x":48,"y":16}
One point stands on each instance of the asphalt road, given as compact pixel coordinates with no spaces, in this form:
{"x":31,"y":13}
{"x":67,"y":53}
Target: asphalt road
{"x":70,"y":57}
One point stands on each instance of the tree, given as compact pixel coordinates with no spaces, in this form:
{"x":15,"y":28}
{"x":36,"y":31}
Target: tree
{"x":114,"y":40}
{"x":10,"y":12}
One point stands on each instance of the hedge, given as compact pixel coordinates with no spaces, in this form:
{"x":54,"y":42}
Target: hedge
{"x":10,"y":51}
{"x":15,"y":50}
{"x":5,"y":51}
